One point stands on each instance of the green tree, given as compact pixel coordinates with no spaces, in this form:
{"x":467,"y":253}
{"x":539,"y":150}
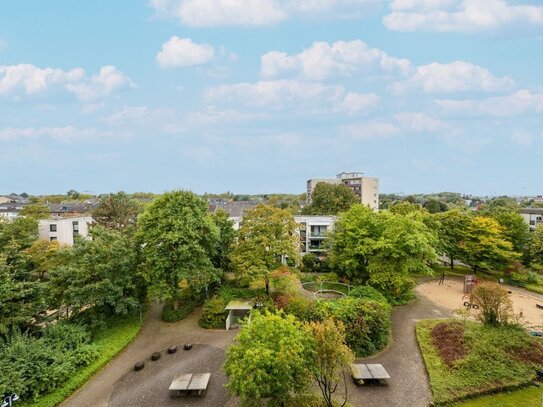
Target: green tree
{"x":35,"y":211}
{"x":178,"y":242}
{"x":495,"y":306}
{"x":331,"y":358}
{"x":227,"y":236}
{"x":515,"y":229}
{"x":43,"y":256}
{"x":16,"y":236}
{"x":452,"y":226}
{"x":484,"y":246}
{"x":330,"y":199}
{"x":269,"y":359}
{"x":117,"y":211}
{"x":266,"y":236}
{"x":536,"y":245}
{"x":100,"y":274}
{"x":434,"y":205}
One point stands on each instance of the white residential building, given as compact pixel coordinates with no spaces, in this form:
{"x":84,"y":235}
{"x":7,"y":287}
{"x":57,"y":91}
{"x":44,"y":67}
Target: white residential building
{"x":313,"y":232}
{"x":365,"y":188}
{"x":64,"y":230}
{"x":532,"y":216}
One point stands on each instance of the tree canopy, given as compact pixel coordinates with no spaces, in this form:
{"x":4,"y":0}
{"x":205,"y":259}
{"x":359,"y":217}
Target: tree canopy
{"x":117,"y":211}
{"x":330,"y":199}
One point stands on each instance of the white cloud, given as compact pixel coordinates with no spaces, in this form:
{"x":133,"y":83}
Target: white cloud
{"x":372,"y":130}
{"x":63,"y":134}
{"x":293,"y":96}
{"x":206,"y":13}
{"x":179,"y":52}
{"x":323,"y":60}
{"x":453,"y":77}
{"x":419,"y":122}
{"x":522,"y":138}
{"x":464,"y":16}
{"x":518,"y":103}
{"x":31,"y":80}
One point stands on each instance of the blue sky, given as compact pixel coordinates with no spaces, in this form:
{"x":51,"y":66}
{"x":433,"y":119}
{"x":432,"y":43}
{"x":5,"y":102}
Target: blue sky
{"x":257,"y":96}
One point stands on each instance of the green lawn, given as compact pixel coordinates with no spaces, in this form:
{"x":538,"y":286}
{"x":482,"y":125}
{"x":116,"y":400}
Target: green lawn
{"x":482,"y":359}
{"x":528,"y":397}
{"x":109,"y":342}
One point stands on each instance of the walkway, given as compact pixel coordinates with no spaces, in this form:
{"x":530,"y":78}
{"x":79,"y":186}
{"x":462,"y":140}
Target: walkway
{"x":154,"y":336}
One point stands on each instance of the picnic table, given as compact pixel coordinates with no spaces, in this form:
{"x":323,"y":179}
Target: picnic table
{"x":368,"y":372}
{"x":189,"y":383}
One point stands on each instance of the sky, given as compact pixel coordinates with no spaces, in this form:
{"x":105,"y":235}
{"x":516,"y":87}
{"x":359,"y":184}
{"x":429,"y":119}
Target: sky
{"x":257,"y":96}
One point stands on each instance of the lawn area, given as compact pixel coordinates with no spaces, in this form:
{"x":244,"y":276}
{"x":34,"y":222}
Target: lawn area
{"x":529,"y":397}
{"x":469,"y":359}
{"x":109,"y":342}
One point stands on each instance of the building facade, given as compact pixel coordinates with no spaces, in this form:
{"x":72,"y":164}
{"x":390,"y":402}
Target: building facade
{"x":313,"y":232}
{"x":64,"y":231}
{"x":532,"y":216}
{"x":365,"y":188}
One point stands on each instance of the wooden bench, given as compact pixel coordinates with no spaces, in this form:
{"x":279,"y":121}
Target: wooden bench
{"x":189,"y":384}
{"x":364,"y":373}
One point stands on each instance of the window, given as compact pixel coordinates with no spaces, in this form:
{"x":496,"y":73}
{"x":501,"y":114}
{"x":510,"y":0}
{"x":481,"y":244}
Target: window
{"x":52,"y":228}
{"x":75,"y":225}
{"x":52,"y":238}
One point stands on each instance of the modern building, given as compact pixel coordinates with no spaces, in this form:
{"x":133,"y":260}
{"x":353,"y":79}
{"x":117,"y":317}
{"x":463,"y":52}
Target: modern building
{"x":532,"y":216}
{"x":64,"y":230}
{"x":313,"y":232}
{"x":10,"y":211}
{"x":365,"y":188}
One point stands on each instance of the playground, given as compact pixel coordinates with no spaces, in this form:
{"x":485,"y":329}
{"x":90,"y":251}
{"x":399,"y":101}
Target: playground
{"x":450,"y":295}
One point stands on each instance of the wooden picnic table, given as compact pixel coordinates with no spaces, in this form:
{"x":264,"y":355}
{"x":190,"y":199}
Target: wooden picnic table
{"x":189,"y":383}
{"x":365,"y":371}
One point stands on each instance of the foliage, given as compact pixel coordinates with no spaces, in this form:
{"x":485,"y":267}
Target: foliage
{"x":515,"y":229}
{"x":331,"y":358}
{"x":330,"y":199}
{"x":269,"y":359}
{"x":536,"y":245}
{"x":43,"y":255}
{"x":530,"y":396}
{"x":265,"y":236}
{"x":107,"y":342}
{"x":227,"y":236}
{"x":213,"y":313}
{"x":368,"y":292}
{"x":494,"y":362}
{"x":178,"y":240}
{"x":35,"y":211}
{"x":433,"y":205}
{"x":117,"y":211}
{"x":396,"y":287}
{"x":451,"y":226}
{"x":16,"y":236}
{"x":283,"y":281}
{"x":34,"y":366}
{"x":495,"y":306}
{"x":313,"y":264}
{"x":169,"y":314}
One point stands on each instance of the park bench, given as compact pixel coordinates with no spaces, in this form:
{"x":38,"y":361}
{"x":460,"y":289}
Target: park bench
{"x":189,"y":384}
{"x":369,"y":373}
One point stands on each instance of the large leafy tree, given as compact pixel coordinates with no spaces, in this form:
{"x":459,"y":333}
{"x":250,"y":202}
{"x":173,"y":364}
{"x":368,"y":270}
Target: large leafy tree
{"x":178,"y":242}
{"x":227,"y":235}
{"x":43,"y":256}
{"x":484,"y":245}
{"x":330,"y":199}
{"x":17,"y":235}
{"x":99,"y":274}
{"x":515,"y":229}
{"x":266,"y":236}
{"x":270,"y":359}
{"x":117,"y":211}
{"x":35,"y":211}
{"x":536,"y":245}
{"x":451,"y":227}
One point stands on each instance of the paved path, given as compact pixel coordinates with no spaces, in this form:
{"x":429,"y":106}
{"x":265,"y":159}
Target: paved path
{"x":154,"y":336}
{"x":408,"y":386}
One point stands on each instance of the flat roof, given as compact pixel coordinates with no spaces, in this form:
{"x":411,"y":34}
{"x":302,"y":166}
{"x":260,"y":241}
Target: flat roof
{"x":238,"y":304}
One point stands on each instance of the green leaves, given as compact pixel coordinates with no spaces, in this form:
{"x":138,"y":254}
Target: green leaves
{"x":330,"y":199}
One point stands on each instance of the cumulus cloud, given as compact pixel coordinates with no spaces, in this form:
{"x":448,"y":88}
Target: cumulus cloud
{"x":30,"y":80}
{"x":518,"y":103}
{"x":293,"y":95}
{"x":453,"y":77}
{"x":206,"y":13}
{"x":180,"y":52}
{"x":463,"y":16}
{"x":65,"y":134}
{"x":323,"y":60}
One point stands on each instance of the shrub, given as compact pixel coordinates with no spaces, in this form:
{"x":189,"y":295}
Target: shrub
{"x":396,"y":287}
{"x":213,"y":313}
{"x":283,"y":281}
{"x":495,"y":306}
{"x":366,"y":291}
{"x":301,"y":307}
{"x":169,"y":314}
{"x":332,"y":277}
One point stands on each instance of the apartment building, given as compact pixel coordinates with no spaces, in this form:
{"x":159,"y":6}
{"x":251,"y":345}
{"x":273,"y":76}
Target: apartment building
{"x":64,"y":231}
{"x":532,"y":216}
{"x":313,"y":232}
{"x":365,"y":188}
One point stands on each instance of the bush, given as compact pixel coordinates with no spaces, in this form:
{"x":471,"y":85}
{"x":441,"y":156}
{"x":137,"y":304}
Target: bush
{"x":169,"y":314}
{"x":396,"y":287}
{"x":284,"y":282}
{"x":495,"y":306}
{"x":366,"y":291}
{"x":213,"y":313}
{"x":301,"y":307}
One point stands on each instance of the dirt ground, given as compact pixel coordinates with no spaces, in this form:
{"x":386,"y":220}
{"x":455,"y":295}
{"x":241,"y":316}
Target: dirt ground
{"x":449,"y":295}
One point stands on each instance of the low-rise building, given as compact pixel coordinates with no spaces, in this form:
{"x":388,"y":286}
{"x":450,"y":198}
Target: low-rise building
{"x":313,"y":232}
{"x":64,"y":231}
{"x":532,"y":216}
{"x":10,"y":211}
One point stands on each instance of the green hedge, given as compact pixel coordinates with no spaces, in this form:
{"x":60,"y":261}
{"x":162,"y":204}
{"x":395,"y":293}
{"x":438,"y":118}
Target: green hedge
{"x":366,"y":291}
{"x":169,"y":314}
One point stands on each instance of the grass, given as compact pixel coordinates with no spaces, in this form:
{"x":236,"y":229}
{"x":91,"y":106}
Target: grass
{"x":528,"y":397}
{"x":490,"y":364}
{"x":109,"y":342}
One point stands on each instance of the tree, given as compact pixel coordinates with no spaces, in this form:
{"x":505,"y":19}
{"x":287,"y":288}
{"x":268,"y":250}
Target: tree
{"x":269,"y":359}
{"x":16,"y":236}
{"x":536,"y":245}
{"x":484,"y":247}
{"x":227,"y":236}
{"x":117,"y":211}
{"x":73,"y":194}
{"x":44,"y":256}
{"x":331,"y":358}
{"x":515,"y":229}
{"x":451,"y":228}
{"x":495,"y":306}
{"x":35,"y":211}
{"x":178,"y":241}
{"x":330,"y":199}
{"x":100,"y":274}
{"x":266,"y":237}
{"x":435,"y":206}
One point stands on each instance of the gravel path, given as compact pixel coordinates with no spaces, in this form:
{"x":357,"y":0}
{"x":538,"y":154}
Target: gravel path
{"x":157,"y":336}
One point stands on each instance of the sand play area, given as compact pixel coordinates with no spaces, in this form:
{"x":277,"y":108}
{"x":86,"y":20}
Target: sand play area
{"x":450,"y":295}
